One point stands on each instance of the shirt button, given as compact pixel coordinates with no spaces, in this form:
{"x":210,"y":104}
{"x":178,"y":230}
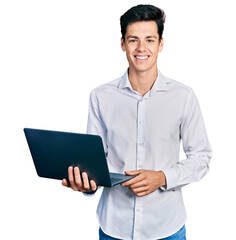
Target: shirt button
{"x":140,"y":144}
{"x":138,"y":209}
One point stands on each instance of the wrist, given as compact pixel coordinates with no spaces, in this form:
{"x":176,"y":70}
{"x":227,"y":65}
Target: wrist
{"x":163,"y":179}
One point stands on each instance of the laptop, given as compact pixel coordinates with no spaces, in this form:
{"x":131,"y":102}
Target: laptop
{"x":53,"y":152}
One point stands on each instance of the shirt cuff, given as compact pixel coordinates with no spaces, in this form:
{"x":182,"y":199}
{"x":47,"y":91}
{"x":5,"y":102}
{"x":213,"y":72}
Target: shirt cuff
{"x":171,"y":179}
{"x":89,"y":193}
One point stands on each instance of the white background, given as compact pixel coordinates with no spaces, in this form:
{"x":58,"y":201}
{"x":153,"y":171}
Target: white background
{"x":53,"y":53}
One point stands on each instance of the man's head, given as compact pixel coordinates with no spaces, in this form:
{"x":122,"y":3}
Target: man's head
{"x":143,"y":13}
{"x":142,"y":28}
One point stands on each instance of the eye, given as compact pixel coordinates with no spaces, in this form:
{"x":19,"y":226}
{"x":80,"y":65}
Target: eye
{"x":150,"y":40}
{"x":132,"y":40}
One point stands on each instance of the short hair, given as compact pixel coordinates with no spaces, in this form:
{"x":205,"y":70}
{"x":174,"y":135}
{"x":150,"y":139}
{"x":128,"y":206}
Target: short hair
{"x":143,"y":13}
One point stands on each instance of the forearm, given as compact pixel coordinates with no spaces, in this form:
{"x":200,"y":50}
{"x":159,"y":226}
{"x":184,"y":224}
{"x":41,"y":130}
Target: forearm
{"x":186,"y":171}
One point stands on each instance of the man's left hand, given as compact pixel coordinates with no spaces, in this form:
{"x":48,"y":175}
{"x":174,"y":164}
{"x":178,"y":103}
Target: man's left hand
{"x":146,"y":181}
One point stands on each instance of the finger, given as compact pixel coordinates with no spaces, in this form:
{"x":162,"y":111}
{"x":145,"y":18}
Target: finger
{"x":71,"y":178}
{"x":132,"y":181}
{"x":131,"y":173}
{"x":93,"y":185}
{"x":65,"y":183}
{"x":78,"y":180}
{"x":71,"y":175}
{"x":85,"y":181}
{"x":141,"y":183}
{"x":139,"y":190}
{"x":141,"y":194}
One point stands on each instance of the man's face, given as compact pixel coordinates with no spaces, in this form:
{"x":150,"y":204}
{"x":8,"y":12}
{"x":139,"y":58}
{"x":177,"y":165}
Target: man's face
{"x":142,"y":45}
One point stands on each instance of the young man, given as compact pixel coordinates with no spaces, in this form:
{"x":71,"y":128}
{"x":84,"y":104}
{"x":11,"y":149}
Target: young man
{"x":141,"y":118}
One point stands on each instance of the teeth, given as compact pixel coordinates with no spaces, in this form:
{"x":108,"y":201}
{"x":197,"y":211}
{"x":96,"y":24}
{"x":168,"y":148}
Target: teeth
{"x":139,"y":57}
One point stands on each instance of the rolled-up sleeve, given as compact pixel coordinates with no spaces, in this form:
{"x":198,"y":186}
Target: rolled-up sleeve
{"x":195,"y":145}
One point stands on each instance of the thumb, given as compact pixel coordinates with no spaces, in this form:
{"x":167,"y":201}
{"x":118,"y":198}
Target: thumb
{"x":131,"y":173}
{"x":65,"y":183}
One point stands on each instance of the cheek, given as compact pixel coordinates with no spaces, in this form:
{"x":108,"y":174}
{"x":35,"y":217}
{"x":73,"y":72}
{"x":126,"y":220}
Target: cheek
{"x":156,"y":51}
{"x":128,"y":56}
{"x":130,"y":49}
{"x":129,"y":53}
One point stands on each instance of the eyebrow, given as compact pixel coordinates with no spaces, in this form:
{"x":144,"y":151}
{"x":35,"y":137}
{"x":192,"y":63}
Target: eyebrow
{"x":152,"y":36}
{"x":131,"y":36}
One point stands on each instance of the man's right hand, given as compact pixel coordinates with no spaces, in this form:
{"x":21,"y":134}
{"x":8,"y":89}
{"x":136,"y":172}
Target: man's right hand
{"x":76,"y":183}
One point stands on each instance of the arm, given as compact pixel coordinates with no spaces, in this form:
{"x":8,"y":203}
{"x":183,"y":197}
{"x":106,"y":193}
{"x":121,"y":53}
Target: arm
{"x":78,"y":181}
{"x":95,"y":123}
{"x":196,"y":147}
{"x":191,"y":169}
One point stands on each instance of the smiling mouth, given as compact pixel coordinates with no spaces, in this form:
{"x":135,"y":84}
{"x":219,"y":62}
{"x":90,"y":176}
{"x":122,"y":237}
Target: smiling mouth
{"x":142,"y":58}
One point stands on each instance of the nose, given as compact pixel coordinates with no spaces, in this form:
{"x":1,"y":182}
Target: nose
{"x":141,"y":46}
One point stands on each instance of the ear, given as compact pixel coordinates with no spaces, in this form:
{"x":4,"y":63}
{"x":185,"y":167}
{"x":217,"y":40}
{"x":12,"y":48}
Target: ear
{"x":161,"y":44}
{"x":123,"y":45}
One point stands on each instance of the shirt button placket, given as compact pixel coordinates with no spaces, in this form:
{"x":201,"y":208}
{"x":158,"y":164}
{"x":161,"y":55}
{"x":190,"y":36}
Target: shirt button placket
{"x":139,"y":165}
{"x":140,"y":131}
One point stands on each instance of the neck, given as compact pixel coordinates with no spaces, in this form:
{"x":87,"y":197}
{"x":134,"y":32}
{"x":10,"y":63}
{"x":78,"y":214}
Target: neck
{"x":142,"y":82}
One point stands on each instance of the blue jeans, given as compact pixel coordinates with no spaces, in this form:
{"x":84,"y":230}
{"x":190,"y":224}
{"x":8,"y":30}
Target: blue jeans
{"x":180,"y":235}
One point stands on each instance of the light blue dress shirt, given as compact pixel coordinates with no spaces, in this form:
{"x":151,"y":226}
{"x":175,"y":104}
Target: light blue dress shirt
{"x":144,"y":132}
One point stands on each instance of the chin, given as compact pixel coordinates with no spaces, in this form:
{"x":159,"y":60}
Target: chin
{"x":142,"y":69}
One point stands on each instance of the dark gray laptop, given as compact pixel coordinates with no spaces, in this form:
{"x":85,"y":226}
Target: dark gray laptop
{"x":53,"y":152}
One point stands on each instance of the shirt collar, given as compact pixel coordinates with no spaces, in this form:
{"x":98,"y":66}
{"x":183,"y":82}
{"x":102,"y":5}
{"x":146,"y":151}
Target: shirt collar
{"x":159,"y":84}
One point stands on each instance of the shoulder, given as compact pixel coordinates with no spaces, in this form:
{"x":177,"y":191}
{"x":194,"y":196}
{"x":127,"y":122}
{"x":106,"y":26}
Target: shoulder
{"x":107,"y":88}
{"x":178,"y":87}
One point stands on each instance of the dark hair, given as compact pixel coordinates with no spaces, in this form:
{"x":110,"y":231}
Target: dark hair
{"x":143,"y":13}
